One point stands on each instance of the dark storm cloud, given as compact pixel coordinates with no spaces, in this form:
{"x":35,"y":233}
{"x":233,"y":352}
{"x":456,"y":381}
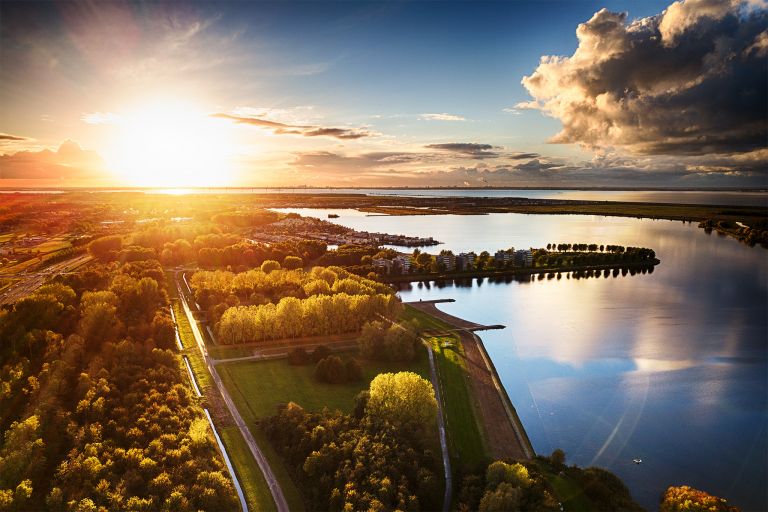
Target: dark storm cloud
{"x":690,"y":81}
{"x":305,"y":130}
{"x":470,"y":149}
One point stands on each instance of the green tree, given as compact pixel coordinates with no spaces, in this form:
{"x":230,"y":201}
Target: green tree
{"x":270,"y":265}
{"x":292,"y":262}
{"x":106,"y":248}
{"x":402,"y":398}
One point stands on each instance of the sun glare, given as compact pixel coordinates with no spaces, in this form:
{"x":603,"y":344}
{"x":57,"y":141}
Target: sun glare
{"x":171,"y":144}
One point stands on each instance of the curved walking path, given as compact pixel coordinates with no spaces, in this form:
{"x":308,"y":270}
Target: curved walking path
{"x":504,"y":430}
{"x":274,"y":485}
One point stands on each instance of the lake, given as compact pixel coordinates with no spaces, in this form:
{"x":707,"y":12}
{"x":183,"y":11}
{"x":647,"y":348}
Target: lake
{"x":670,"y":367}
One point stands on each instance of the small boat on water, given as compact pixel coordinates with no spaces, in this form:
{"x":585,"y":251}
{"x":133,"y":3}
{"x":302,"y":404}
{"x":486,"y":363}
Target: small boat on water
{"x":333,"y":216}
{"x":637,"y":461}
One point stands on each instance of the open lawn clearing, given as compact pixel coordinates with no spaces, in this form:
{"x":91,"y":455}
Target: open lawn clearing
{"x":258,"y":387}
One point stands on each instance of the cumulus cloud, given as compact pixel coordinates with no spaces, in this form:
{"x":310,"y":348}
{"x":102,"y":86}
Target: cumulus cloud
{"x":468,"y":149}
{"x":690,"y":81}
{"x":441,"y":117}
{"x":69,"y":161}
{"x":296,"y":129}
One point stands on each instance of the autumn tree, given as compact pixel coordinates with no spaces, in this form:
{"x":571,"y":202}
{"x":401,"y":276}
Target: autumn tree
{"x":688,"y":499}
{"x":106,"y":248}
{"x":402,"y":398}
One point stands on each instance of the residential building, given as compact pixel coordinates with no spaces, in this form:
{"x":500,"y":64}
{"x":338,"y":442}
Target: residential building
{"x":448,"y":261}
{"x":524,"y":258}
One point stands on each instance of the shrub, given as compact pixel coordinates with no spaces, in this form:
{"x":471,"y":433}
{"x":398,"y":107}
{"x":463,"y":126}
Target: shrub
{"x":292,"y":262}
{"x":354,"y":370}
{"x":332,"y":370}
{"x":299,"y":356}
{"x":321,"y":352}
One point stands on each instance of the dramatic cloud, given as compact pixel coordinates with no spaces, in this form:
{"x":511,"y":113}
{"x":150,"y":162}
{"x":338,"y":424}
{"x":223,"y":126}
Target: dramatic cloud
{"x":690,"y":81}
{"x":468,"y":149}
{"x":305,"y":130}
{"x":6,"y":136}
{"x":70,"y":161}
{"x":441,"y":117}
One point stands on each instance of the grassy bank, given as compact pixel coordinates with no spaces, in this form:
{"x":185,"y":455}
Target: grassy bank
{"x":465,"y":433}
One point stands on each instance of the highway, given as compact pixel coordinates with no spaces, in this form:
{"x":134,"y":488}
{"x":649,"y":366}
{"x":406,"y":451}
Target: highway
{"x":31,"y":281}
{"x":274,"y":485}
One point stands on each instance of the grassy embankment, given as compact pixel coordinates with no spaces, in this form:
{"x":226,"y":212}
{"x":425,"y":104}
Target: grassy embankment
{"x":257,"y":493}
{"x":466,"y":437}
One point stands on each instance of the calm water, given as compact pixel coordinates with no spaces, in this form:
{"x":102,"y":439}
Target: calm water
{"x":751,"y":198}
{"x":670,"y":367}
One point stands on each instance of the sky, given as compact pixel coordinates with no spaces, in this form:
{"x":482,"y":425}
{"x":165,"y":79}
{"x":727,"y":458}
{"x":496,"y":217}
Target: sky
{"x":359,"y":94}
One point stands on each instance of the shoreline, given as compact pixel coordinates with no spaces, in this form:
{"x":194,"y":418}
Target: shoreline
{"x":517,"y":271}
{"x":508,"y":439}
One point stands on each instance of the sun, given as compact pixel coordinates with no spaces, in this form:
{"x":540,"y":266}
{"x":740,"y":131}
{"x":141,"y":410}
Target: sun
{"x":170,"y":143}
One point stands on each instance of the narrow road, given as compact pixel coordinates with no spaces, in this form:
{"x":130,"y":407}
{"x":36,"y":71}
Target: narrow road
{"x":274,"y":486}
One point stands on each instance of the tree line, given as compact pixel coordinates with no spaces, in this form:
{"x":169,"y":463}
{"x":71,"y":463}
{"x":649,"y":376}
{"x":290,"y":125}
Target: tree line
{"x":219,"y":290}
{"x":318,"y":315}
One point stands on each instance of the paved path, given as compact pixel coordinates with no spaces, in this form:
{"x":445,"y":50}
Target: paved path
{"x":504,"y":431}
{"x":274,"y":485}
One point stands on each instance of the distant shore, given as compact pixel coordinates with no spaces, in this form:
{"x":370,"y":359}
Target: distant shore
{"x":516,"y":271}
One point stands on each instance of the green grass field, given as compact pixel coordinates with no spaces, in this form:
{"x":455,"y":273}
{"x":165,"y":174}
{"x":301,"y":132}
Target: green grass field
{"x":465,"y":433}
{"x":258,"y":387}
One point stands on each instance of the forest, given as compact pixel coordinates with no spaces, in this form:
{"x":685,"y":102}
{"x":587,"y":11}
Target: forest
{"x":96,"y":412}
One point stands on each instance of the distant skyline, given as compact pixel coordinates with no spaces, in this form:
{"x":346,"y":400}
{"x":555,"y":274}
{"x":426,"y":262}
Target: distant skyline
{"x":359,"y":94}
